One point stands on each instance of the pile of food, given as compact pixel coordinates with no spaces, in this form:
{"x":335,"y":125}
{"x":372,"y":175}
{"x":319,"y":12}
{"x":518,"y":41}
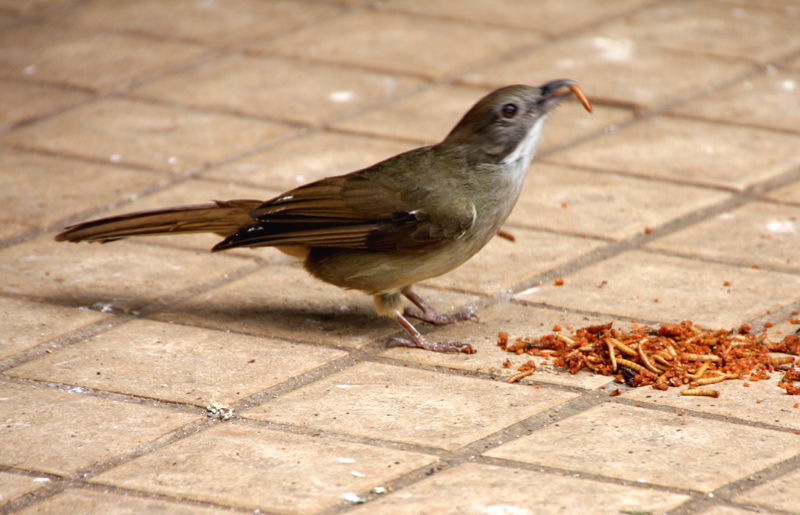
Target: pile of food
{"x":671,"y":356}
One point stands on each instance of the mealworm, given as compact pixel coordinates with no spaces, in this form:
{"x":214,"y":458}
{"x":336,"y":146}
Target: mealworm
{"x":700,"y":392}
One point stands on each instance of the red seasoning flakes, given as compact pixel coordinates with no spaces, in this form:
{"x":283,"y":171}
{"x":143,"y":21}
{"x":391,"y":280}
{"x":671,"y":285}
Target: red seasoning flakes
{"x":675,"y":355}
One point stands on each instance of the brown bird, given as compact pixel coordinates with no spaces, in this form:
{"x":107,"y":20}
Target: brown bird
{"x":382,"y":229}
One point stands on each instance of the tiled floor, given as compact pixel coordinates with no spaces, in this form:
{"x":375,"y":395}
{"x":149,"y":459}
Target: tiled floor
{"x":110,"y":356}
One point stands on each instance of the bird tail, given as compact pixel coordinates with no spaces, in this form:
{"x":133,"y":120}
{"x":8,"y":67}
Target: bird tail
{"x":221,"y":217}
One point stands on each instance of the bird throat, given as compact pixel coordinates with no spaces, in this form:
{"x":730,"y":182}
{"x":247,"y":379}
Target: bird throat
{"x":522,"y":155}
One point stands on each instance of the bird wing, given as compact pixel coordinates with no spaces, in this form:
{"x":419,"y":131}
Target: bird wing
{"x":358,"y":211}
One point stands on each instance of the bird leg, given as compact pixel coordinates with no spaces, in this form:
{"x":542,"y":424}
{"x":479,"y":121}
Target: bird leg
{"x":419,"y":341}
{"x":427,"y":314}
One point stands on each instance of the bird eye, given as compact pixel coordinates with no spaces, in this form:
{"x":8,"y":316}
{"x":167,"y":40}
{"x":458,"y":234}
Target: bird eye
{"x":510,"y":110}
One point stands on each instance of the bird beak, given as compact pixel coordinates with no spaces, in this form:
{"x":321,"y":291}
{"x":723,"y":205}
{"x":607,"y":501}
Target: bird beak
{"x":553,"y":91}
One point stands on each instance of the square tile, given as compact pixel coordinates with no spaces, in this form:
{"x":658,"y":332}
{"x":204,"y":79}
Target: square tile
{"x":425,"y":117}
{"x":184,"y":193}
{"x":177,"y":363}
{"x":428,"y":47}
{"x":21,"y":101}
{"x":518,"y":321}
{"x":13,"y":486}
{"x":269,"y":87}
{"x":476,"y":488}
{"x":29,"y":6}
{"x":758,"y":233}
{"x":553,"y":18}
{"x":89,"y":59}
{"x":94,"y":502}
{"x":258,"y":469}
{"x":760,"y":401}
{"x":408,"y":405}
{"x":11,"y":229}
{"x":60,"y":433}
{"x":428,"y":116}
{"x":115,"y":277}
{"x":297,"y":161}
{"x":166,"y":138}
{"x":646,"y":446}
{"x":25,"y":324}
{"x":789,"y":194}
{"x":207,"y":22}
{"x":605,"y":205}
{"x":688,"y":151}
{"x":286,"y":302}
{"x":40,"y":190}
{"x":726,"y":510}
{"x":501,"y":264}
{"x":778,"y":494}
{"x":628,"y":285}
{"x":712,"y":27}
{"x":619,"y":71}
{"x":769,"y":101}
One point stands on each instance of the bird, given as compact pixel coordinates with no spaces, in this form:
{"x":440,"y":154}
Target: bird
{"x":386,"y":227}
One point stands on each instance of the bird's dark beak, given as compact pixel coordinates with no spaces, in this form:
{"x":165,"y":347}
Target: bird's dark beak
{"x":554,"y":90}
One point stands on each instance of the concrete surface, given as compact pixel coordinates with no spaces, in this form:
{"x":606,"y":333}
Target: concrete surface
{"x":679,"y":198}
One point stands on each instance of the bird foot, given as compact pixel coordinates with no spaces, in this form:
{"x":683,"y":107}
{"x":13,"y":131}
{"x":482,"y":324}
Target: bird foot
{"x":421,"y":342}
{"x":432,"y":317}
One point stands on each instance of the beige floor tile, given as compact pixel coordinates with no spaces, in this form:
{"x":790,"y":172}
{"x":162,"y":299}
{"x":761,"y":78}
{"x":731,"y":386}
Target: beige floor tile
{"x":793,"y":64}
{"x":177,"y":363}
{"x":686,"y":289}
{"x":789,"y":194}
{"x":427,"y":117}
{"x":29,"y":6}
{"x":613,"y":70}
{"x":407,"y":405}
{"x":728,"y":510}
{"x":9,"y":229}
{"x":396,"y":42}
{"x":502,"y":263}
{"x":712,"y":27}
{"x":286,"y":302}
{"x":688,"y":151}
{"x":298,"y":161}
{"x":778,"y":494}
{"x":20,"y":101}
{"x":161,"y":137}
{"x":600,"y":204}
{"x":789,"y":6}
{"x":25,"y":324}
{"x":60,"y":433}
{"x":89,"y":502}
{"x":518,"y":321}
{"x":114,"y":277}
{"x":39,"y":190}
{"x":269,"y":87}
{"x":653,"y":447}
{"x":7,"y":18}
{"x":758,"y":233}
{"x":476,"y":489}
{"x":14,"y":485}
{"x":96,"y":60}
{"x":211,"y":23}
{"x":549,"y":17}
{"x":759,"y":401}
{"x":768,"y":101}
{"x":260,"y":469}
{"x":193,"y":191}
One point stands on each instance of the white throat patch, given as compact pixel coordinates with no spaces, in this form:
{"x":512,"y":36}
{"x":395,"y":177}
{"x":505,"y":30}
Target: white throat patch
{"x":523,"y":154}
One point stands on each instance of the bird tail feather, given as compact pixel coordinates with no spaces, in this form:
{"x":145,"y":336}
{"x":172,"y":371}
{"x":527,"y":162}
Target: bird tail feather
{"x":220,"y":217}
